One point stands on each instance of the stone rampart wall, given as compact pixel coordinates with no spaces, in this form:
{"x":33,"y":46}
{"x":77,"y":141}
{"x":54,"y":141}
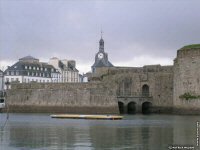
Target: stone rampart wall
{"x":62,"y":98}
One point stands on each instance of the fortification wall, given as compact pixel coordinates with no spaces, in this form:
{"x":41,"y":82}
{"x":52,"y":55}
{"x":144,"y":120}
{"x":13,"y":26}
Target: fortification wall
{"x":128,"y":82}
{"x":187,"y":81}
{"x":83,"y":98}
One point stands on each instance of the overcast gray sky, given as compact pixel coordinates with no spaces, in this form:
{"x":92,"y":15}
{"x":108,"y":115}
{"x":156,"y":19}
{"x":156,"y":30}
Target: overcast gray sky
{"x":136,"y":32}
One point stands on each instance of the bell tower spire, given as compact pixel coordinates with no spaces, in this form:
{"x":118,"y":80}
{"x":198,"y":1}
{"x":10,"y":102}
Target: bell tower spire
{"x":101,"y":43}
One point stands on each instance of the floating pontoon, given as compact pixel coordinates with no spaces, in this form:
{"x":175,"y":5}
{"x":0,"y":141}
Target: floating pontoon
{"x":101,"y":117}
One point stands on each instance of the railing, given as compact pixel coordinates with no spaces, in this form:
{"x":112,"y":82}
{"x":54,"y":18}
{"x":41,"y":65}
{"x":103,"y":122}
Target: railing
{"x":135,"y":94}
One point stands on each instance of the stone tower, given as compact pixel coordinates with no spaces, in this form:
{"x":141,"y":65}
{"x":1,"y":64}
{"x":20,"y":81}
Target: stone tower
{"x":101,"y":57}
{"x":186,"y":91}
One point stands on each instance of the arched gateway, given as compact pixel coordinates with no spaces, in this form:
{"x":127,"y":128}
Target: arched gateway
{"x":131,"y":108}
{"x":146,"y":107}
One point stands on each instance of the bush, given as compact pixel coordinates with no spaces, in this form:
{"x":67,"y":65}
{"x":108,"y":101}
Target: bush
{"x":189,"y":96}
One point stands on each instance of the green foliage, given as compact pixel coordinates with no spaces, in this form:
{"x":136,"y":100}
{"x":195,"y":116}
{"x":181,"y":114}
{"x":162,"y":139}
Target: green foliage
{"x":189,"y":96}
{"x":192,"y":46}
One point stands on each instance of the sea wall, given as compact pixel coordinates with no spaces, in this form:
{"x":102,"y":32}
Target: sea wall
{"x":152,"y":83}
{"x":83,"y":98}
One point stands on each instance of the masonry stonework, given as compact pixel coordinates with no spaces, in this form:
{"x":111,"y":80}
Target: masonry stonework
{"x":62,"y":98}
{"x":187,"y":80}
{"x":112,"y":90}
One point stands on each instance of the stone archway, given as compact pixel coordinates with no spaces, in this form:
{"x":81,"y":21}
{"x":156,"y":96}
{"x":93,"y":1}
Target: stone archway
{"x":131,"y":108}
{"x":145,"y":90}
{"x":146,"y":107}
{"x":121,"y":107}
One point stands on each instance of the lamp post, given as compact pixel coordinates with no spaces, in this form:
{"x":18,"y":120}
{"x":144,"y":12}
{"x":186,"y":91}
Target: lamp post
{"x":7,"y":83}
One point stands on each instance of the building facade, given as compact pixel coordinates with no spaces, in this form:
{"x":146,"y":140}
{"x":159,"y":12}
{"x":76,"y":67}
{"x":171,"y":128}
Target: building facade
{"x":67,"y":70}
{"x":29,"y":69}
{"x":1,"y":80}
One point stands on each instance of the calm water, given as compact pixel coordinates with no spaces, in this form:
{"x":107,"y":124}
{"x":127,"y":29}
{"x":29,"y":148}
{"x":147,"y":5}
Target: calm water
{"x":136,"y":132}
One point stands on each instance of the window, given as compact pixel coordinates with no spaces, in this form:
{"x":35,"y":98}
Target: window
{"x":28,"y":80}
{"x":25,"y":67}
{"x":29,"y":67}
{"x":145,"y":90}
{"x":36,"y":74}
{"x":32,"y":74}
{"x":28,"y":73}
{"x":12,"y":79}
{"x":41,"y":68}
{"x":7,"y":73}
{"x":33,"y":68}
{"x":12,"y":73}
{"x":37,"y":68}
{"x":17,"y":73}
{"x":7,"y":79}
{"x":17,"y":79}
{"x":15,"y":67}
{"x":45,"y":69}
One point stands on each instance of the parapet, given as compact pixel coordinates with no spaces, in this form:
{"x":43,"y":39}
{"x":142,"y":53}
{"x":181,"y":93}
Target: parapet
{"x":189,"y":51}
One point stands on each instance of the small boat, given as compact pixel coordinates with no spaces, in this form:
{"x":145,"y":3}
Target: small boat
{"x":74,"y":116}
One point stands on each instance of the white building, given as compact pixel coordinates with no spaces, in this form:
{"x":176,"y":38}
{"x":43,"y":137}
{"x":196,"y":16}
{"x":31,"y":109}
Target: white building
{"x":67,"y":69}
{"x":29,"y":69}
{"x":1,"y":80}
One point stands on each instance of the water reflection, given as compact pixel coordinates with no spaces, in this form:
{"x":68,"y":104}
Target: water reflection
{"x":137,"y":132}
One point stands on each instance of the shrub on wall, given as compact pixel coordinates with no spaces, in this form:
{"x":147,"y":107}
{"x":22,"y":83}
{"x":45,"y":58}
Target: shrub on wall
{"x":189,"y":96}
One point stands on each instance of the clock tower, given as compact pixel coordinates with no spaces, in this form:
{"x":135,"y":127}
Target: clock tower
{"x":101,"y":57}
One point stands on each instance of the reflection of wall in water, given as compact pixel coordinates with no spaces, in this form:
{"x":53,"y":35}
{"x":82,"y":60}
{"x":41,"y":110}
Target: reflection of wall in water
{"x":135,"y":137}
{"x":33,"y":136}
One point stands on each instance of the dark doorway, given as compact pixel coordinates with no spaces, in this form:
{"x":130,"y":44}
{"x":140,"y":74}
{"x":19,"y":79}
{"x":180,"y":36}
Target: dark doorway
{"x":146,"y":107}
{"x":131,"y":108}
{"x":145,"y":90}
{"x":121,"y":107}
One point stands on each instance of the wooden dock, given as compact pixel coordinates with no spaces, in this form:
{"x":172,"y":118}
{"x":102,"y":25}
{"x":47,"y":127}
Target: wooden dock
{"x":74,"y":116}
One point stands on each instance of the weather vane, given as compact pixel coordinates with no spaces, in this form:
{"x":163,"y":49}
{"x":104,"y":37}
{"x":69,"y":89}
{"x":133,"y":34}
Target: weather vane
{"x":101,"y":33}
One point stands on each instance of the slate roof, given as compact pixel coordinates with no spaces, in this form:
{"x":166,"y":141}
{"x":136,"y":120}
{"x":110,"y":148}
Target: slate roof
{"x":20,"y":67}
{"x":28,"y":58}
{"x":69,"y":67}
{"x":102,"y":64}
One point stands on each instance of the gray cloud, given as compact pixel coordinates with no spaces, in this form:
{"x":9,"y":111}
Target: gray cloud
{"x":71,"y":29}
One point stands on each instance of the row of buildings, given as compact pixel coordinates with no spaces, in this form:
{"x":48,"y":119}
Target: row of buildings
{"x":29,"y":69}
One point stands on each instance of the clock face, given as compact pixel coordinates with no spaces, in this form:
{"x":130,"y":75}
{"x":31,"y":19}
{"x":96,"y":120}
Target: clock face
{"x":100,"y":55}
